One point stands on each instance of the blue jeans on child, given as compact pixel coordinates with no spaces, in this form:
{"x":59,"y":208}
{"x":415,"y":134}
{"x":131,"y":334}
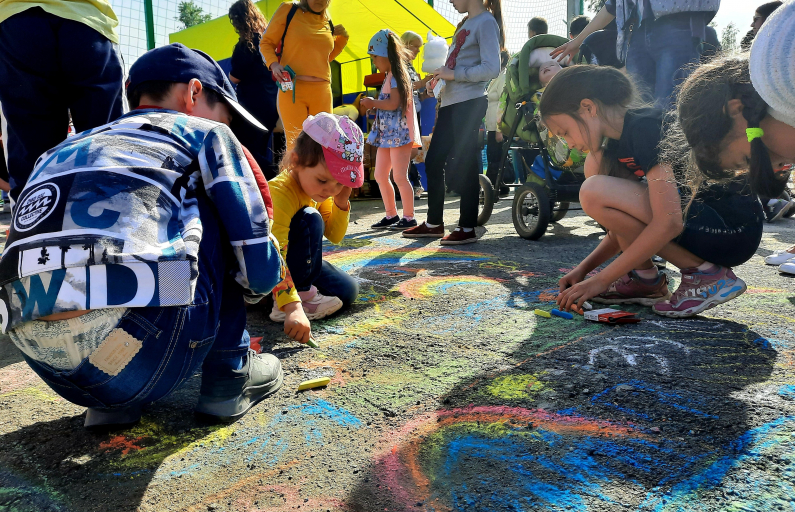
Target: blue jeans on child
{"x":50,"y":67}
{"x":659,"y":55}
{"x":305,"y":259}
{"x":176,"y":340}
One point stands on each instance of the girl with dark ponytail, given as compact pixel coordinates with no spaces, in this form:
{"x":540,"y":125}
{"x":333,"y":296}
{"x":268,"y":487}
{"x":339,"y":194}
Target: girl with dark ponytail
{"x":395,"y":130}
{"x":732,"y":140}
{"x":632,"y":190}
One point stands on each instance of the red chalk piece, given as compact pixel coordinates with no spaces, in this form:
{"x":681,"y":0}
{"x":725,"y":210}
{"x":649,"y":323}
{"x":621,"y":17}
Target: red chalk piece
{"x":256,"y":344}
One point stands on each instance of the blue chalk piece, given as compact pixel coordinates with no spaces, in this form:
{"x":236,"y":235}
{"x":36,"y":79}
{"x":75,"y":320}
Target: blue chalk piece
{"x":562,"y":314}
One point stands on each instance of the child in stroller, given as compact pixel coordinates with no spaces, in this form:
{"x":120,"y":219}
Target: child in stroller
{"x":554,"y":175}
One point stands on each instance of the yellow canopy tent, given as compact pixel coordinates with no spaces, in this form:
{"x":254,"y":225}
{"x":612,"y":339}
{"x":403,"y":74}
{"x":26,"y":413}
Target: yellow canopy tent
{"x":361,"y":18}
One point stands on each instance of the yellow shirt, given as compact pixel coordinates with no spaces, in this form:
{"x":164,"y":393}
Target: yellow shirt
{"x":308,"y":46}
{"x":97,"y":14}
{"x":288,"y":197}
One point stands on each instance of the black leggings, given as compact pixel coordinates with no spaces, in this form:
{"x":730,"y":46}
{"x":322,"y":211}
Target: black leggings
{"x":456,"y":135}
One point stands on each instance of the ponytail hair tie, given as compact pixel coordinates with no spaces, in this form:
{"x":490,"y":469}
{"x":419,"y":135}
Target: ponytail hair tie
{"x":754,"y":133}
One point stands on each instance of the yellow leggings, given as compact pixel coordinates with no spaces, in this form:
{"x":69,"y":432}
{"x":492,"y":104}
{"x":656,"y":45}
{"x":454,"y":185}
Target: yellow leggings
{"x":310,"y":98}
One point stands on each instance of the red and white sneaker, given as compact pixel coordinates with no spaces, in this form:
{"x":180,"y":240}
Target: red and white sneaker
{"x":698,"y":292}
{"x":630,"y":289}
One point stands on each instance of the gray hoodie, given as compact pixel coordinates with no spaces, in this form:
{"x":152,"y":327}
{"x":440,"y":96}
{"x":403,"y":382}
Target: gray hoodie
{"x":475,"y":58}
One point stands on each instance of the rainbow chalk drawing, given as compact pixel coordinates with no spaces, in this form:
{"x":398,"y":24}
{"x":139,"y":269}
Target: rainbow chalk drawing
{"x":353,"y":259}
{"x":428,"y":286}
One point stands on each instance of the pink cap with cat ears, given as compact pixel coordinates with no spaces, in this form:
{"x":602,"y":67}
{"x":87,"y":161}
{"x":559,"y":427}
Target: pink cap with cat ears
{"x":343,"y":146}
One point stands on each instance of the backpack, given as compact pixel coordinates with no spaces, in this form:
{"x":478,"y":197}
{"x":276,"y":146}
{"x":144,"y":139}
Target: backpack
{"x":293,"y":10}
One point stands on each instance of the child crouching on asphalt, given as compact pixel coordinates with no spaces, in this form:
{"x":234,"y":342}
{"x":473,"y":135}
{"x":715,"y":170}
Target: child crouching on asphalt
{"x":310,"y":201}
{"x":134,"y":247}
{"x":722,"y":228}
{"x":772,"y":64}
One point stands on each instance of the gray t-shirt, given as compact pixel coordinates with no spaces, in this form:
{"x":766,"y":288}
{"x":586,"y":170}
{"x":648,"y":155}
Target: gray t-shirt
{"x":475,"y":58}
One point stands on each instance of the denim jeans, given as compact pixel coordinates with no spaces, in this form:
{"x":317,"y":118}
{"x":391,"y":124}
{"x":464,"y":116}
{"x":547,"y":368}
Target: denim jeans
{"x":659,"y":56}
{"x":176,"y":340}
{"x":305,"y":259}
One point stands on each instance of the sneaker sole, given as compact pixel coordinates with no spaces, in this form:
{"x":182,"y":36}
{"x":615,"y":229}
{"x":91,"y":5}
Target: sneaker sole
{"x":401,"y":229}
{"x":459,"y":242}
{"x":779,"y":262}
{"x":643,"y":301}
{"x":231,"y":410}
{"x":738,"y":289}
{"x":429,"y":235}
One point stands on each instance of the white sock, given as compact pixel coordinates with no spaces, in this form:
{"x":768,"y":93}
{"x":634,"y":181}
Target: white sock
{"x":431,"y":225}
{"x":407,"y":218}
{"x":465,"y":230}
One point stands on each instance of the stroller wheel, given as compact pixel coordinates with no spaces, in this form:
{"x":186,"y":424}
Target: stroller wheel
{"x":559,"y":210}
{"x":531,"y":211}
{"x":486,"y":200}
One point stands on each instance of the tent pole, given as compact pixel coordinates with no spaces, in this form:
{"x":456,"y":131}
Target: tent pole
{"x":149,"y":14}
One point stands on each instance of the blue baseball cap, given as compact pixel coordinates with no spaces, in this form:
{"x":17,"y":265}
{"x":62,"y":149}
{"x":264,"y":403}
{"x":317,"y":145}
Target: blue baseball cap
{"x":178,"y":63}
{"x":379,"y":43}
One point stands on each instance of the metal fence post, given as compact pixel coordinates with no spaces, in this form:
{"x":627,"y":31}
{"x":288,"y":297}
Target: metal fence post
{"x":149,"y":14}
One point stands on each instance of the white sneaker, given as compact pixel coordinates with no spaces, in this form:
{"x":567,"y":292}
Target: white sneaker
{"x":320,"y":306}
{"x":787,"y":268}
{"x":316,"y":307}
{"x":779,"y":257}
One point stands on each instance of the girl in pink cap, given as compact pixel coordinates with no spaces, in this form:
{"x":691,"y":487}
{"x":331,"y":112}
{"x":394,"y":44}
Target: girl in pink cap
{"x":310,"y":201}
{"x":395,"y":131}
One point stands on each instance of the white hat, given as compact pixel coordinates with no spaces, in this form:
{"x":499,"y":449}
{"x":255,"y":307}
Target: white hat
{"x":772,"y":63}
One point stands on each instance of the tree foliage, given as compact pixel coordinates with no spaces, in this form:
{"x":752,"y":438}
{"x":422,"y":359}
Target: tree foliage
{"x":595,"y":5}
{"x":191,"y":14}
{"x":728,"y":38}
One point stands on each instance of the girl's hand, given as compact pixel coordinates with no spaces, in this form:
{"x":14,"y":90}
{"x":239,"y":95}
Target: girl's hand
{"x":339,"y":30}
{"x":341,"y":199}
{"x":580,"y":292}
{"x":296,"y":324}
{"x":570,"y":279}
{"x":444,"y":73}
{"x":277,"y":70}
{"x":367,"y":103}
{"x":563,"y":51}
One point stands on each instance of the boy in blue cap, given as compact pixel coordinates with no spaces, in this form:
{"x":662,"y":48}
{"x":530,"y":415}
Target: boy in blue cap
{"x":135,"y":245}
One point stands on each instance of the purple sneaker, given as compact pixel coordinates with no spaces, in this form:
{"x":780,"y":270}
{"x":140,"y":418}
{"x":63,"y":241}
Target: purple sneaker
{"x":630,"y":289}
{"x":698,"y":292}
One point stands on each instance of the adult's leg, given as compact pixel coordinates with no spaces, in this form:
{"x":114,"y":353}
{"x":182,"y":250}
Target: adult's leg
{"x":674,"y":51}
{"x":467,"y":117}
{"x":383,"y":167}
{"x":305,"y":247}
{"x":441,"y":144}
{"x":320,"y":98}
{"x":31,"y":91}
{"x":92,"y":75}
{"x":293,"y":114}
{"x":623,"y":208}
{"x":400,"y":158}
{"x":640,"y":62}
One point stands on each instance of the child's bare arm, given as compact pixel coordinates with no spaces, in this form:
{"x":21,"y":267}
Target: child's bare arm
{"x":391,"y":103}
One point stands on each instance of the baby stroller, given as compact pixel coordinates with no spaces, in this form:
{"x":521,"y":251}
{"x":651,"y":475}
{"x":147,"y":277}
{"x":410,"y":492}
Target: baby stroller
{"x":554,"y":181}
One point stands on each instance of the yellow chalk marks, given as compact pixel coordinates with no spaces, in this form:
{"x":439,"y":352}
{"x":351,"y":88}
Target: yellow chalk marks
{"x":515,"y":386}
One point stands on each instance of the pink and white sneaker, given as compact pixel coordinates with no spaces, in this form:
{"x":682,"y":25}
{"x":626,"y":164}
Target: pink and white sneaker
{"x":630,"y":289}
{"x":699,"y":292}
{"x":315,"y":304}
